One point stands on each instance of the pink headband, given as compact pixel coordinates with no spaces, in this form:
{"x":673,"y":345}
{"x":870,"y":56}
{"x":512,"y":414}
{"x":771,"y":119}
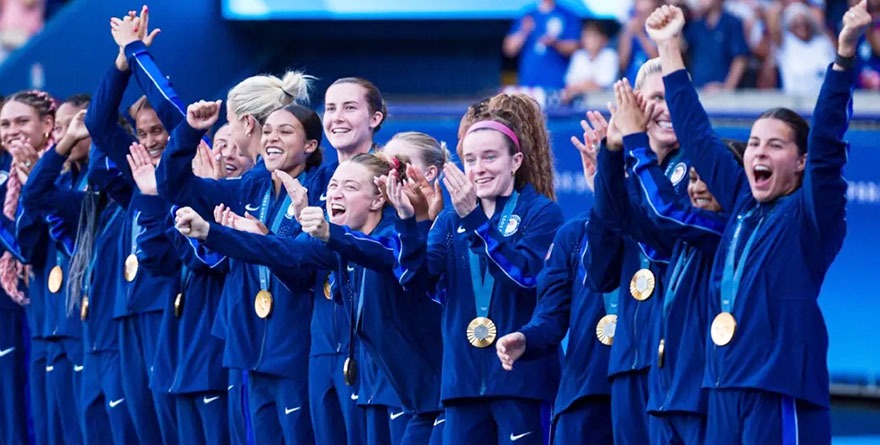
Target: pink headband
{"x":499,"y":127}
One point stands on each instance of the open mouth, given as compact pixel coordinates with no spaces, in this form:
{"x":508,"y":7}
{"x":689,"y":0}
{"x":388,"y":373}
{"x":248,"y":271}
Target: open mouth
{"x":762,"y":175}
{"x":274,"y":152}
{"x":230,"y":168}
{"x":155,"y":152}
{"x":483,"y":181}
{"x":340,"y":131}
{"x":664,"y":124}
{"x":337,"y":210}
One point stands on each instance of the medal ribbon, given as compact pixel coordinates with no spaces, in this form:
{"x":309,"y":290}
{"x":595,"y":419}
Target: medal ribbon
{"x":356,"y":315}
{"x":276,"y":223}
{"x":681,"y":265}
{"x":186,"y":275}
{"x":135,"y":229}
{"x":733,"y":270}
{"x":87,"y":277}
{"x":483,"y":282}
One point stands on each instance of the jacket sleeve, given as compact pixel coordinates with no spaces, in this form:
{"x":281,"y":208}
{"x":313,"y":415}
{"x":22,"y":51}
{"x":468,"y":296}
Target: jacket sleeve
{"x":27,"y":244}
{"x":422,"y":250}
{"x":42,"y":195}
{"x":106,"y":177}
{"x":610,"y":198}
{"x":824,"y":184}
{"x":155,"y":251}
{"x":520,"y":261}
{"x":158,"y":89}
{"x":552,"y":315}
{"x":668,"y":214}
{"x":270,"y":250}
{"x":715,"y":164}
{"x":372,"y":252}
{"x":603,"y":259}
{"x":177,"y":183}
{"x":102,"y":120}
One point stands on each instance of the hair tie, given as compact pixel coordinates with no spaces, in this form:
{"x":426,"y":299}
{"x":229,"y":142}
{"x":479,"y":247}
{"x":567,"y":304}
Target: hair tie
{"x":395,"y":162}
{"x":497,"y":126}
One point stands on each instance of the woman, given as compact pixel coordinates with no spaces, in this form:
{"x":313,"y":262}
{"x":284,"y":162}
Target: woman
{"x":356,"y":249}
{"x":492,"y":201}
{"x":768,"y":347}
{"x":275,"y":356}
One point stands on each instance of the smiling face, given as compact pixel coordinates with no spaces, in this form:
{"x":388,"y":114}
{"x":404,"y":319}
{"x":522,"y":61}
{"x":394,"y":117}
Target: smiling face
{"x":699,"y":193}
{"x":21,"y":121}
{"x":659,"y":129}
{"x":235,"y":163}
{"x":489,"y":164}
{"x":151,"y":133}
{"x":774,"y":166}
{"x":348,"y":121}
{"x":284,"y":144}
{"x":352,"y":197}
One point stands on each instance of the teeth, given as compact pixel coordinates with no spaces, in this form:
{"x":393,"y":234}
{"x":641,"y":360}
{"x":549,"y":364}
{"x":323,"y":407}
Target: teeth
{"x":665,"y":124}
{"x":230,"y":167}
{"x":337,"y":207}
{"x":274,"y":151}
{"x":154,"y":153}
{"x":339,"y":130}
{"x":762,"y":168}
{"x":483,"y":180}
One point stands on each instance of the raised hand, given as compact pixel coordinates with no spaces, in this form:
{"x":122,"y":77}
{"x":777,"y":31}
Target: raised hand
{"x":665,"y":24}
{"x":142,"y":169}
{"x":202,"y":115}
{"x":124,"y":30}
{"x":594,"y":132}
{"x":77,"y":130}
{"x":299,"y":195}
{"x":855,"y":21}
{"x":25,"y":157}
{"x":629,"y":117}
{"x":461,"y":190}
{"x":314,"y":223}
{"x":394,"y":190}
{"x":432,"y":193}
{"x":246,"y":223}
{"x":510,"y":348}
{"x":143,"y":30}
{"x":191,"y":224}
{"x":203,"y":163}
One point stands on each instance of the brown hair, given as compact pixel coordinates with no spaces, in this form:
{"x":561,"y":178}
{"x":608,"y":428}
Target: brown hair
{"x":430,"y":150}
{"x":528,"y":122}
{"x":380,"y":164}
{"x":375,"y":101}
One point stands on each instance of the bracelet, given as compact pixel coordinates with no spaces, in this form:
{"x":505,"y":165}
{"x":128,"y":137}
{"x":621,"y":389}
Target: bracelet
{"x":846,"y":63}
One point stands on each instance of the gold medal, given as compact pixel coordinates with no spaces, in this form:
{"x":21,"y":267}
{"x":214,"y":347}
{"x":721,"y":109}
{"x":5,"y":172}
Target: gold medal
{"x":131,"y":268}
{"x":263,"y":303}
{"x":56,"y":277}
{"x":661,"y":350}
{"x":605,"y":329}
{"x":84,"y":308}
{"x":642,"y":284}
{"x":723,"y":328}
{"x":178,"y":305}
{"x":349,"y":371}
{"x":328,"y":291}
{"x":481,"y":332}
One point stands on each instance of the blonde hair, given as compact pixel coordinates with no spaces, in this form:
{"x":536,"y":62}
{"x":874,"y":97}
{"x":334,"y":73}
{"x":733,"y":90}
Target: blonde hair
{"x":259,"y":96}
{"x":430,"y":150}
{"x":652,"y":66}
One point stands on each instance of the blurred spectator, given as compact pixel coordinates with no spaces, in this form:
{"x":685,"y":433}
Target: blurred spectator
{"x":752,"y":15}
{"x":543,"y":38}
{"x":716,"y":47}
{"x":868,"y":53}
{"x":633,"y":45}
{"x":803,"y":49}
{"x":19,"y":20}
{"x":594,"y":66}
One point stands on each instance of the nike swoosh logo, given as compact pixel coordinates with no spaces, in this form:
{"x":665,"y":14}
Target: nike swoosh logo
{"x":438,"y":421}
{"x":78,"y":368}
{"x":206,"y":400}
{"x":115,"y":403}
{"x":350,"y":268}
{"x":230,"y":387}
{"x":6,"y":351}
{"x":354,"y":397}
{"x":461,"y":229}
{"x":514,"y":438}
{"x":396,"y":415}
{"x":323,"y":197}
{"x":250,"y":208}
{"x":288,"y":411}
{"x":50,"y":368}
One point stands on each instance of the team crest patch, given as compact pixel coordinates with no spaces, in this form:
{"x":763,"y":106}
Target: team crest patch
{"x":678,"y":173}
{"x":512,"y":225}
{"x":4,"y":175}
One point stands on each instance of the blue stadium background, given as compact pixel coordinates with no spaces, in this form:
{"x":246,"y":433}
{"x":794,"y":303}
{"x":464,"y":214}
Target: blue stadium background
{"x":431,"y":59}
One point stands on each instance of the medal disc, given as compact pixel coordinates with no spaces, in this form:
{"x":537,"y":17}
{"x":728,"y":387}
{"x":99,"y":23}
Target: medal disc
{"x":481,"y":332}
{"x":606,"y":328}
{"x":178,"y":305}
{"x":56,"y":277}
{"x":642,"y":284}
{"x":661,"y":351}
{"x":723,"y":328}
{"x":349,"y":371}
{"x":84,"y":308}
{"x":327,"y":290}
{"x":131,"y":268}
{"x":263,"y":304}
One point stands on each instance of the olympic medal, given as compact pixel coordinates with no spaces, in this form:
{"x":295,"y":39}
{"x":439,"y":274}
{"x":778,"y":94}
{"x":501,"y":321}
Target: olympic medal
{"x":327,"y":289}
{"x":131,"y":268}
{"x":661,"y":350}
{"x":349,"y":371}
{"x":642,"y":284}
{"x":84,"y":308}
{"x":606,"y":328}
{"x":56,"y":277}
{"x":723,"y":328}
{"x":178,"y":305}
{"x":263,"y":304}
{"x":481,"y":332}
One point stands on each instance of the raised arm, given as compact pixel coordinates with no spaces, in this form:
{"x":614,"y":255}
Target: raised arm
{"x":603,"y":260}
{"x":725,"y":178}
{"x":102,"y":119}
